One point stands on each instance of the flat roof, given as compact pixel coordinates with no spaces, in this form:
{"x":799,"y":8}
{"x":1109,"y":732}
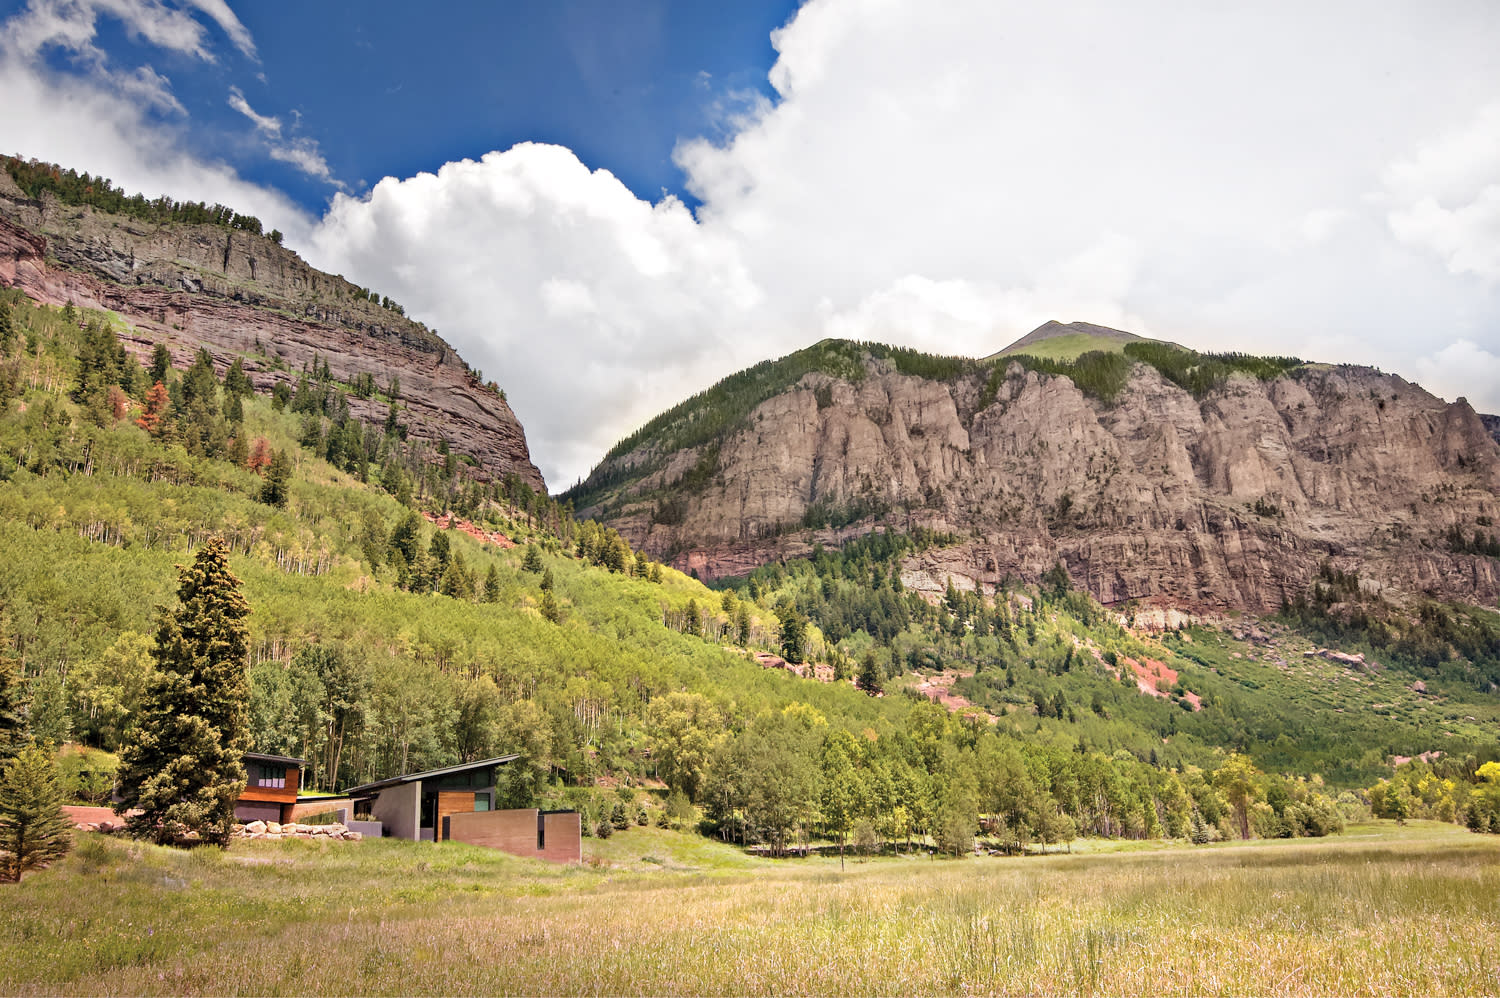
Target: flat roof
{"x":285,"y":760}
{"x":414,"y":777}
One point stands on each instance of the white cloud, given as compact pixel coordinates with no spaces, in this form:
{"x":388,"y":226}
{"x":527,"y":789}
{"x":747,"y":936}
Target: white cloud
{"x":589,"y":305}
{"x":300,"y":151}
{"x":1463,"y":369}
{"x":1447,"y":197}
{"x":228,"y":23}
{"x":265,"y":123}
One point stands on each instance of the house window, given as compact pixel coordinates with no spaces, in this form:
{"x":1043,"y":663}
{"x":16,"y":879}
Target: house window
{"x":482,"y":802}
{"x":270,"y":776}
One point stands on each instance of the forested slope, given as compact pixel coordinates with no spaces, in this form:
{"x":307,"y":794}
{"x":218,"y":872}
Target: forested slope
{"x":383,"y":642}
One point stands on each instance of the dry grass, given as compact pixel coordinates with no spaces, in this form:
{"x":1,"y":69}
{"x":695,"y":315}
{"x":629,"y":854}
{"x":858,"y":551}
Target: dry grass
{"x":1387,"y":911}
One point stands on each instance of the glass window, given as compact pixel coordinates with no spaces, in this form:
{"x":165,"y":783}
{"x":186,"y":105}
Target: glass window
{"x":482,"y":802}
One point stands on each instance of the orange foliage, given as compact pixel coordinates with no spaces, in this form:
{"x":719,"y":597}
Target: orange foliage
{"x":154,"y":418}
{"x":260,"y":455}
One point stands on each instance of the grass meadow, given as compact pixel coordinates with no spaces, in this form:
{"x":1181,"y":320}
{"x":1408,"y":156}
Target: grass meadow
{"x":1380,"y":910}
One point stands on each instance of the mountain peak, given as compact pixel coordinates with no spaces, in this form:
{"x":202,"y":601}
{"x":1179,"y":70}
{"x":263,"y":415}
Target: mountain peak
{"x":1052,"y":330}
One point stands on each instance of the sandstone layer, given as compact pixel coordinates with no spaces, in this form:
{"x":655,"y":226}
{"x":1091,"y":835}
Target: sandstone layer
{"x":242,"y":295}
{"x":1228,"y":502}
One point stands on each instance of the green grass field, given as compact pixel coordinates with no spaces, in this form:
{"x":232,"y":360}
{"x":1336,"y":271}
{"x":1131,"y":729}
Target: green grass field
{"x":1384,"y":910}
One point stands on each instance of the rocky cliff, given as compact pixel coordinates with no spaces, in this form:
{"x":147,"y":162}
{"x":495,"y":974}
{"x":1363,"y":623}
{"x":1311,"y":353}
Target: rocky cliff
{"x":242,"y":295}
{"x":1226,"y":501}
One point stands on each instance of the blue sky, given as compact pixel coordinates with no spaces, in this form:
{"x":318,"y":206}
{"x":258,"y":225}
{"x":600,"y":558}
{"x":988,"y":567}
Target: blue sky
{"x":608,"y":206}
{"x":384,"y":93}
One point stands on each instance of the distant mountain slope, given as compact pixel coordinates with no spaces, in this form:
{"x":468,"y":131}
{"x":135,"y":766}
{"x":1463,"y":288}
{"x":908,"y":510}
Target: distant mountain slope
{"x":1068,"y":341}
{"x":240,"y":294}
{"x":1151,"y":474}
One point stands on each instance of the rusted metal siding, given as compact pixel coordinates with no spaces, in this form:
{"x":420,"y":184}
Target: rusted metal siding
{"x":518,"y":831}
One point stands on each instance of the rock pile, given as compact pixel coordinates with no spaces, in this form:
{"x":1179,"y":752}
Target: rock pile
{"x":293,"y":830}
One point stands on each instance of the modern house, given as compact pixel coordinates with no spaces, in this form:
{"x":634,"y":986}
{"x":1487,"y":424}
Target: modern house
{"x":456,"y":803}
{"x":271,"y":786}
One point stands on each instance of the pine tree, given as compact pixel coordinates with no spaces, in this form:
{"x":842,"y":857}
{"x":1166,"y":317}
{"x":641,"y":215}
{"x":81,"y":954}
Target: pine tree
{"x":742,"y":625}
{"x":868,"y":678}
{"x":12,"y":707}
{"x":161,"y":363}
{"x":549,"y":607}
{"x":692,"y":621}
{"x":278,"y":473}
{"x":492,"y":586}
{"x":533,"y":560}
{"x":183,"y":769}
{"x":34,"y":831}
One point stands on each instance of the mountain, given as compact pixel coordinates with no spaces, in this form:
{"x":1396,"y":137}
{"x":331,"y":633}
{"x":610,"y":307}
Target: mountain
{"x":1068,"y":341}
{"x":1201,"y":482}
{"x":228,"y":289}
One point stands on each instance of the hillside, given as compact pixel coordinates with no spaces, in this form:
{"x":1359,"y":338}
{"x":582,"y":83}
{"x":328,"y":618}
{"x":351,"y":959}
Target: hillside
{"x":1204,"y":483}
{"x":1068,"y":341}
{"x":186,"y":282}
{"x":389,"y":635}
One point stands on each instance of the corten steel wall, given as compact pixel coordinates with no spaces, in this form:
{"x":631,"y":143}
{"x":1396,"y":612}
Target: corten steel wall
{"x":564,"y":837}
{"x":512,"y":831}
{"x":451,"y":802}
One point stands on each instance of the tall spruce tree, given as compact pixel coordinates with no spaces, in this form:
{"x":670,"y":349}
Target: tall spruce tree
{"x":183,"y":770}
{"x":34,"y":831}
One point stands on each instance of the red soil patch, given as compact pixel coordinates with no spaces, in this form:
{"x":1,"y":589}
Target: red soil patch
{"x":939,"y":689}
{"x":804,"y":670}
{"x":494,"y":537}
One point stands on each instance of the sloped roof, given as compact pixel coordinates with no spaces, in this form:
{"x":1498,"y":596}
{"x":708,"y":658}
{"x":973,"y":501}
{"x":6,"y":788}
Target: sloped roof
{"x":414,"y":777}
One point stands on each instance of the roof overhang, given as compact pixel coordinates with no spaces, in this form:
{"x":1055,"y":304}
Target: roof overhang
{"x":378,"y":785}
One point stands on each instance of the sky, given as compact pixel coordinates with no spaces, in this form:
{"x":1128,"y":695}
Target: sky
{"x":606,"y":206}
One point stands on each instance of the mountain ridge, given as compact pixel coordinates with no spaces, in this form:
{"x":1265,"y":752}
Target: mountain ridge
{"x":240,"y":294}
{"x":1224,"y":497}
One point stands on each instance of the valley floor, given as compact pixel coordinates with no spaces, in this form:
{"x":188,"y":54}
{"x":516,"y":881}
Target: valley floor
{"x":1382,"y":909}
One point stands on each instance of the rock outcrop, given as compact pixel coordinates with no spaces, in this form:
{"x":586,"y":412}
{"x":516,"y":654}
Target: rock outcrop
{"x":242,"y":295}
{"x":1228,"y":502}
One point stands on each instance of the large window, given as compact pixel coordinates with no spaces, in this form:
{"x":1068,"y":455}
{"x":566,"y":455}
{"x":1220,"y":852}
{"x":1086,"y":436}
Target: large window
{"x":270,"y":776}
{"x":482,"y":801}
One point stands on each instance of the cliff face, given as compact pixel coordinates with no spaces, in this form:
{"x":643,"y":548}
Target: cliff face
{"x":192,"y":286}
{"x":1228,"y":502}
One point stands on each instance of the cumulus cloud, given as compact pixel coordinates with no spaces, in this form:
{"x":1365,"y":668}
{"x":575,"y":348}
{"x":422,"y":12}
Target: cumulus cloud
{"x":589,"y":305}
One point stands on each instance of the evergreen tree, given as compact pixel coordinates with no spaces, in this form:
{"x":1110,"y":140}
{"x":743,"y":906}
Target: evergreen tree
{"x":793,"y":633}
{"x":868,"y":678}
{"x":34,"y":831}
{"x":273,"y":491}
{"x":7,"y":328}
{"x":549,"y":606}
{"x":161,"y":363}
{"x":692,"y":620}
{"x":533,"y":559}
{"x":492,"y":586}
{"x":183,"y":768}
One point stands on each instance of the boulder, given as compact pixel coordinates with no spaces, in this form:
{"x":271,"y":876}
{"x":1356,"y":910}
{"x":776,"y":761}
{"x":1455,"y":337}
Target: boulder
{"x":255,"y":827}
{"x":273,"y":827}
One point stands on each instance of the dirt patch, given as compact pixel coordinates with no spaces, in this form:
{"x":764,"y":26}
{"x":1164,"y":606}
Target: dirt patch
{"x":939,"y":689}
{"x":494,"y":537}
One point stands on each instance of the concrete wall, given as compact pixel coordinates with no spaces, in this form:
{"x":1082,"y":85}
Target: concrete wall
{"x":399,"y":810}
{"x":516,"y":832}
